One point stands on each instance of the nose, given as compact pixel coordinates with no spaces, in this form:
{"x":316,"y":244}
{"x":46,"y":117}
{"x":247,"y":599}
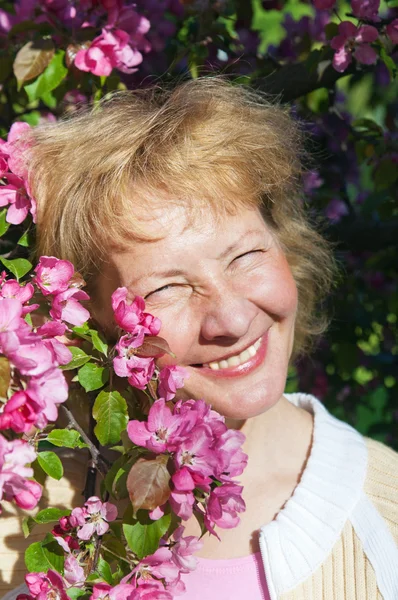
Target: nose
{"x":227,"y":315}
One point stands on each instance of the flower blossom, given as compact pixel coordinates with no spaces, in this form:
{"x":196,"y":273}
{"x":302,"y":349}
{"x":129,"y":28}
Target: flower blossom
{"x":66,"y":307}
{"x":366,"y":9}
{"x":224,"y":504}
{"x":53,"y":275}
{"x":92,"y":518}
{"x":171,"y":378}
{"x":324,"y":4}
{"x":158,"y":433}
{"x":15,"y":484}
{"x":130,"y":316}
{"x":392,"y":31}
{"x":183,"y":550}
{"x":43,"y":586}
{"x":353,"y":41}
{"x":14,"y":195}
{"x":109,"y":50}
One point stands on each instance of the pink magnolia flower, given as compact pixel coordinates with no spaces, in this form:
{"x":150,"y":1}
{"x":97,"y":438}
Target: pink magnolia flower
{"x":14,"y":483}
{"x":139,"y":370}
{"x":170,"y":380}
{"x":324,"y":4}
{"x":53,"y":275}
{"x":159,"y":432}
{"x":183,"y":550}
{"x":392,"y":31}
{"x":353,"y":41}
{"x":66,"y":307}
{"x":108,"y":51}
{"x":366,"y":9}
{"x":223,"y":506}
{"x":96,"y":515}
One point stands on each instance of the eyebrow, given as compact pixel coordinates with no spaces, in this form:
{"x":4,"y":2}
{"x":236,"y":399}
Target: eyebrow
{"x":178,"y":272}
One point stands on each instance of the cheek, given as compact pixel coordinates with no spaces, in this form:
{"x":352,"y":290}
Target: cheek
{"x":275,"y":290}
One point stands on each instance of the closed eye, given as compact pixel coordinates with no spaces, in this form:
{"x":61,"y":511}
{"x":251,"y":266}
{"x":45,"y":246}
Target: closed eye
{"x":248,"y":253}
{"x":161,"y":289}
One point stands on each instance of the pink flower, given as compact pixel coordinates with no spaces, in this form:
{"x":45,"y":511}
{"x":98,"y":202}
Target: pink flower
{"x":49,"y":333}
{"x":43,"y":586}
{"x":53,"y":275}
{"x":183,"y":551}
{"x":324,"y":4}
{"x":232,"y":459}
{"x":15,"y":196}
{"x":49,"y":390}
{"x":32,"y":357}
{"x":158,"y":565}
{"x":73,"y":572}
{"x":181,"y":498}
{"x":131,"y":317}
{"x":14,"y":485}
{"x":196,"y":453}
{"x":96,"y":516}
{"x":170,"y":380}
{"x":23,"y":293}
{"x":366,"y":9}
{"x":392,"y":31}
{"x":156,"y":434}
{"x":139,"y":370}
{"x":223,"y":506}
{"x":353,"y":41}
{"x":66,"y":307}
{"x":15,"y":148}
{"x":108,"y":51}
{"x":123,"y":591}
{"x":20,"y":413}
{"x":335,"y":210}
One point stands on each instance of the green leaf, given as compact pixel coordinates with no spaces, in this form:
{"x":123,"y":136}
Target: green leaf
{"x":18,"y":267}
{"x":92,"y":377}
{"x":104,"y":570}
{"x":50,"y":515}
{"x":110,"y":412}
{"x":27,"y":525}
{"x":3,"y":223}
{"x":77,"y":593}
{"x":51,"y":464}
{"x":79,"y":359}
{"x":49,"y":79}
{"x":25,"y":240}
{"x":45,"y":555}
{"x":66,"y":438}
{"x":389,"y":62}
{"x":98,"y":342}
{"x":116,"y":478}
{"x":142,"y":534}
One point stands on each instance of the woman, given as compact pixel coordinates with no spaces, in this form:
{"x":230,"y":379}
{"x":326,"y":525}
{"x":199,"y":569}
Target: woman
{"x":191,"y":200}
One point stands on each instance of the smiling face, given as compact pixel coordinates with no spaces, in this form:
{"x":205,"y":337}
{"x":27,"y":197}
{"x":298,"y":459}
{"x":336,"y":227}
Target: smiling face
{"x":227,"y":301}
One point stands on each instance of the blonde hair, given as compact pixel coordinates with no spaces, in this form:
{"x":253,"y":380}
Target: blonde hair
{"x":205,"y":142}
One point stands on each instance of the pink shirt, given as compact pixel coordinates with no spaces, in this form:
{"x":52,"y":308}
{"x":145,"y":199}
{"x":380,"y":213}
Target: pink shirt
{"x":232,"y":579}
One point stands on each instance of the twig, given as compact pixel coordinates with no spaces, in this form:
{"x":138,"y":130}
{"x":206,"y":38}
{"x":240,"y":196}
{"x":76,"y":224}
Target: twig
{"x":100,"y":462}
{"x":98,"y":543}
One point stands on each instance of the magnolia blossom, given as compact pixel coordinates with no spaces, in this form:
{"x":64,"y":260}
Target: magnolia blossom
{"x":14,"y":474}
{"x":353,"y":41}
{"x":92,"y":518}
{"x":170,"y":380}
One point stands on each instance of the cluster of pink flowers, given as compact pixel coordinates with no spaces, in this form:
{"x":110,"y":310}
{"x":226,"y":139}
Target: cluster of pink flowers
{"x":137,"y":324}
{"x":14,"y":191}
{"x":35,"y":354}
{"x":15,"y":482}
{"x":205,"y":455}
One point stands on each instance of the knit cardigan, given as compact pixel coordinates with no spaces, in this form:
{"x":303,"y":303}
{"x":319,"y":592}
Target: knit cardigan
{"x":335,"y":539}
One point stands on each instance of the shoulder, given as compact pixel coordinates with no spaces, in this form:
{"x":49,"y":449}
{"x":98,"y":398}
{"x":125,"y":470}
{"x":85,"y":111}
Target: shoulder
{"x":381,"y":483}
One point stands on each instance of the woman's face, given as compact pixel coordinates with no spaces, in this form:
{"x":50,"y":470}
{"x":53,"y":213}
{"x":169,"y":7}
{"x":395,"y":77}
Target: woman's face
{"x":227,"y":301}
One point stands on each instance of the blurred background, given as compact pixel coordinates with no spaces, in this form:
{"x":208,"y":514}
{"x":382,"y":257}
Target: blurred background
{"x":333,"y":62}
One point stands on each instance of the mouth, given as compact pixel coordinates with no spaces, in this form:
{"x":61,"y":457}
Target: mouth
{"x":238,"y":364}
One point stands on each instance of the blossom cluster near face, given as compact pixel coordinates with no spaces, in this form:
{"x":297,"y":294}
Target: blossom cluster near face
{"x":204,"y":456}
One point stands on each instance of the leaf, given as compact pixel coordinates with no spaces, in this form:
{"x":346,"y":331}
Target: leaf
{"x":5,"y":376}
{"x":18,"y":267}
{"x":25,"y":239}
{"x":32,"y":59}
{"x":27,"y":526}
{"x":45,"y":555}
{"x":110,"y":412}
{"x":77,"y":593}
{"x":51,"y":464}
{"x":49,"y":79}
{"x":116,"y":478}
{"x":98,"y":342}
{"x":92,"y":377}
{"x":389,"y":62}
{"x":79,"y":359}
{"x":142,"y":534}
{"x":155,"y":347}
{"x":3,"y":223}
{"x":104,"y":570}
{"x":50,"y":515}
{"x":148,"y":482}
{"x":66,"y":438}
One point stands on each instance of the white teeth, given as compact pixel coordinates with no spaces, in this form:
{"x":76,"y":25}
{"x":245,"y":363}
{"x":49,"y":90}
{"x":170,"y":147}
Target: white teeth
{"x":238,"y":359}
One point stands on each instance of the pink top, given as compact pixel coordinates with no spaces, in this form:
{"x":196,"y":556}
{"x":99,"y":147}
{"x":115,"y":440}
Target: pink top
{"x":232,"y":579}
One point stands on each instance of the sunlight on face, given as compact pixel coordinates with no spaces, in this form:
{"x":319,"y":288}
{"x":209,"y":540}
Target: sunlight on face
{"x":227,"y":301}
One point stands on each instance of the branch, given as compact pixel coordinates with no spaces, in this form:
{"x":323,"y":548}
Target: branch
{"x":99,"y":461}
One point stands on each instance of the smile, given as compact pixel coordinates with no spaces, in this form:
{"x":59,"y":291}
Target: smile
{"x":239,"y":364}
